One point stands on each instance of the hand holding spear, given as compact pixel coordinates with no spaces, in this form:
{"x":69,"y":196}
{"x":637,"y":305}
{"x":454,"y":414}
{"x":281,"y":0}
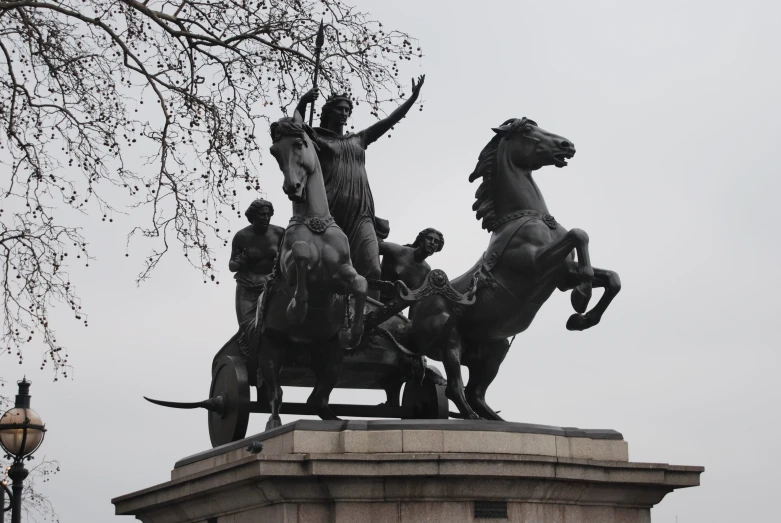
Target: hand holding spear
{"x":319,"y":41}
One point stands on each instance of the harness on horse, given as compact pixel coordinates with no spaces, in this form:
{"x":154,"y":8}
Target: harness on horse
{"x":498,"y":244}
{"x":316,"y":224}
{"x":482,"y":276}
{"x":437,"y":282}
{"x":549,"y":220}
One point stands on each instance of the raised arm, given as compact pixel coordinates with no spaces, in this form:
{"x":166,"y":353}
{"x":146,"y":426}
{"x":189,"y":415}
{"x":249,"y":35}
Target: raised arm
{"x":373,"y":133}
{"x":309,"y":97}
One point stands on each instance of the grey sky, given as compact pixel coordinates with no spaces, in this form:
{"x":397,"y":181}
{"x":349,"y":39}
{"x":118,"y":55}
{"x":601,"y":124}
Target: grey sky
{"x":673,"y":107}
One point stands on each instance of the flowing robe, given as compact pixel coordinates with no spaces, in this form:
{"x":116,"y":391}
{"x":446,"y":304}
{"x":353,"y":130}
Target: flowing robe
{"x":343,"y":161}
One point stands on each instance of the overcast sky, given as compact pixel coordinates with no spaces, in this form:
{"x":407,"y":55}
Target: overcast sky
{"x":673,"y":107}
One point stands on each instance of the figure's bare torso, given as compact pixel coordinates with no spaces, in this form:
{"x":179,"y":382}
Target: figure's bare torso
{"x":400,"y":264}
{"x":258,"y":251}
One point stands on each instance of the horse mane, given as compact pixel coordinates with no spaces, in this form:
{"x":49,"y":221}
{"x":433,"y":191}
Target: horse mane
{"x":290,"y":127}
{"x":485,"y":169}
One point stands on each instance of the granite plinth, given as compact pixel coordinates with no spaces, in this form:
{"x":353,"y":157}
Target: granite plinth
{"x":412,"y":471}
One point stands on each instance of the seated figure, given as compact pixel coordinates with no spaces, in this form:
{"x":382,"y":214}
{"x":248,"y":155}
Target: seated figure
{"x":408,"y":262}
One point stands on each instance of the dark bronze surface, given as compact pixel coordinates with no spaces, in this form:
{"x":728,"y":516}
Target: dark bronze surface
{"x":529,"y":256}
{"x":407,"y":263}
{"x":229,"y":383}
{"x":306,"y":307}
{"x":317,"y":327}
{"x":343,"y":160}
{"x":253,"y":252}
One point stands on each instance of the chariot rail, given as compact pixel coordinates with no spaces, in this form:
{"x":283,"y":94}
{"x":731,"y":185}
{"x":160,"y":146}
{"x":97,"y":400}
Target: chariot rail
{"x":381,"y":361}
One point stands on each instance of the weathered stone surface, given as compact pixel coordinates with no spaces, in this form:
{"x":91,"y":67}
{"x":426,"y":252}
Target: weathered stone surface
{"x":535,"y":513}
{"x":391,"y":473}
{"x":315,"y":442}
{"x":423,"y":440}
{"x":586,"y":448}
{"x":282,"y":444}
{"x":499,"y":443}
{"x":428,"y":512}
{"x":313,"y":513}
{"x":406,"y":425}
{"x":370,"y":441}
{"x":369,"y":512}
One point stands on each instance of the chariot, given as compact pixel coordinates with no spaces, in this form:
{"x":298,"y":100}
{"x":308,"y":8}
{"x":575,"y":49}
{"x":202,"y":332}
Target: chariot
{"x":380,"y":362}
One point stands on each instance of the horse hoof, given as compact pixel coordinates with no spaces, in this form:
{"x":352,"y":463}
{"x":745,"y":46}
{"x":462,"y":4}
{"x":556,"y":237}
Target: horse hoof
{"x":326,"y":414}
{"x":273,"y":422}
{"x":485,"y":411}
{"x":577,"y":322}
{"x":580,"y":297}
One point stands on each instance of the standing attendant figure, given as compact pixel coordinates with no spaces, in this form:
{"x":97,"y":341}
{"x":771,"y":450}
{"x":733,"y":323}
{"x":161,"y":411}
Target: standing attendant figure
{"x":343,"y":160}
{"x":253,"y":252}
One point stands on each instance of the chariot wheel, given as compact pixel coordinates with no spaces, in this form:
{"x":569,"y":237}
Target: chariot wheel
{"x":230,"y":388}
{"x":427,"y":399}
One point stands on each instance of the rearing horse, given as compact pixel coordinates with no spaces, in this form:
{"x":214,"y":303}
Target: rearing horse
{"x":303,"y":309}
{"x":528,"y":257}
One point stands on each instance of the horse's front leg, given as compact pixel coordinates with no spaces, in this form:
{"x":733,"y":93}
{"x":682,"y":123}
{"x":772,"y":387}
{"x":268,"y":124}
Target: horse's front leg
{"x":393,"y":394}
{"x":451,"y":359}
{"x":612,"y":285}
{"x":552,"y":255}
{"x":355,"y":284}
{"x":326,"y":364}
{"x":297,"y":308}
{"x":482,"y":373}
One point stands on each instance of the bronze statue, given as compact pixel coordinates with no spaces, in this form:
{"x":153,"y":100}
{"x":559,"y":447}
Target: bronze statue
{"x":528,"y":257}
{"x":343,"y":160}
{"x":314,"y":270}
{"x":305,"y":321}
{"x":407,"y":263}
{"x":253,"y":252}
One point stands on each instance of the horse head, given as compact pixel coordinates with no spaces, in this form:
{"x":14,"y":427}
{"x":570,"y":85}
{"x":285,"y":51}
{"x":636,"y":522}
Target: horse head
{"x":505,"y":165}
{"x":531,"y":147}
{"x":296,"y":153}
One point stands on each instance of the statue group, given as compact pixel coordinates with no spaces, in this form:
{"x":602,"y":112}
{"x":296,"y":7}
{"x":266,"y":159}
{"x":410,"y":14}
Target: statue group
{"x":319,"y":302}
{"x":330,"y":251}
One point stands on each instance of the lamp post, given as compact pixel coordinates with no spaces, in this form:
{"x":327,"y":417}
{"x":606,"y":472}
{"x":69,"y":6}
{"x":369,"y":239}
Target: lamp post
{"x":21,"y":433}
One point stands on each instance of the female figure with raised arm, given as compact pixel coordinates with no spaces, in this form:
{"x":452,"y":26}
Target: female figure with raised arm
{"x":343,"y":160}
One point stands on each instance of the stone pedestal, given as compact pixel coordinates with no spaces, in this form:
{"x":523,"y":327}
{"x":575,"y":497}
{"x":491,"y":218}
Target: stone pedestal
{"x":412,"y":471}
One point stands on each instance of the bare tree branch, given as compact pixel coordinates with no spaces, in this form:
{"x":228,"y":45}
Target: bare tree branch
{"x":85,"y":84}
{"x":37,"y":506}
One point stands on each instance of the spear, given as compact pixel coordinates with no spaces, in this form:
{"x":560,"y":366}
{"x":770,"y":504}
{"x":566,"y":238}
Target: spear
{"x":318,"y":46}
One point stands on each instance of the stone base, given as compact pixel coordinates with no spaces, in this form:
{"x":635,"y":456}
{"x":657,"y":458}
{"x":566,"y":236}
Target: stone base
{"x":412,"y":471}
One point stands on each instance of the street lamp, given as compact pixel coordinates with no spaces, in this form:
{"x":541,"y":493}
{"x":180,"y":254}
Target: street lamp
{"x":21,"y":433}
